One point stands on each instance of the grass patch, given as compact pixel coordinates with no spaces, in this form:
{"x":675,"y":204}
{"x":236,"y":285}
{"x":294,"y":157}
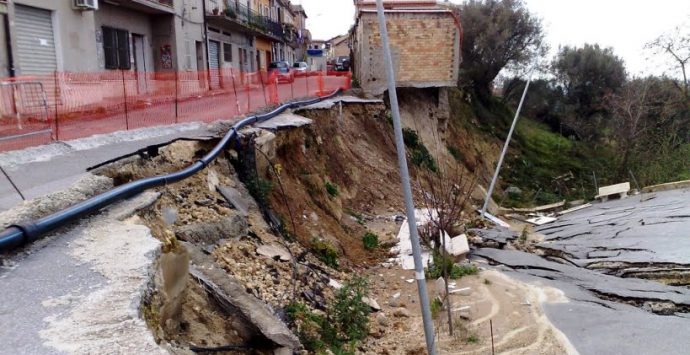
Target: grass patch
{"x":455,"y":271}
{"x":455,"y":153}
{"x":436,"y":307}
{"x":332,"y":189}
{"x":325,"y":252}
{"x":260,"y":189}
{"x":370,"y":241}
{"x":419,"y":154}
{"x":472,"y":339}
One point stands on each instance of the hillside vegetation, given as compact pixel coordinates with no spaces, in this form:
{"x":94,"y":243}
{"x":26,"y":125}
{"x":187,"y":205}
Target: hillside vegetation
{"x":586,"y":122}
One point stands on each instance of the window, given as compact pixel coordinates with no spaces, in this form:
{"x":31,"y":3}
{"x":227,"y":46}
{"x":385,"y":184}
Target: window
{"x":227,"y":52}
{"x":116,"y":48}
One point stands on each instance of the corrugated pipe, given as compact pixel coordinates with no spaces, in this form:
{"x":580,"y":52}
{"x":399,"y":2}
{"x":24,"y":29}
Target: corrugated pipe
{"x":21,"y":234}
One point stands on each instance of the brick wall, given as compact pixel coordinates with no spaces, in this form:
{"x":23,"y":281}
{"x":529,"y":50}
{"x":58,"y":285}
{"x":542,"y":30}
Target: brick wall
{"x":425,"y":48}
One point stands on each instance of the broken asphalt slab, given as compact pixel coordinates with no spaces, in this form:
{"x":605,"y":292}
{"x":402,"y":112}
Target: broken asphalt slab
{"x":603,"y":313}
{"x":639,"y":230}
{"x":78,"y":293}
{"x":41,"y":170}
{"x":595,"y":325}
{"x":284,"y":121}
{"x":329,"y":103}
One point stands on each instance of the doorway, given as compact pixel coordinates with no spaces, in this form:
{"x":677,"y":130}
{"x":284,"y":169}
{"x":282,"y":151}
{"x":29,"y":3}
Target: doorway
{"x":139,"y":62}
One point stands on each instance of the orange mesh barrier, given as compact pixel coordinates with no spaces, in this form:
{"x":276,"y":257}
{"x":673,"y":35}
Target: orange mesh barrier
{"x":35,"y":110}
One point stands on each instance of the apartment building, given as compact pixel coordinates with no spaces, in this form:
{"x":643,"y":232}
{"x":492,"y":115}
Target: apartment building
{"x":40,"y":37}
{"x":69,"y":35}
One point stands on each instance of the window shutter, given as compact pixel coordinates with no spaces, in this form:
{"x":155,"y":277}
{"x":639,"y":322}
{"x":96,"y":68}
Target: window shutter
{"x":123,"y":49}
{"x":110,"y":48}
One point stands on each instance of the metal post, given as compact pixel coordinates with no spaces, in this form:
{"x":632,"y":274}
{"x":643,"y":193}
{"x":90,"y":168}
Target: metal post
{"x":57,"y":117}
{"x":596,"y":186}
{"x":12,"y":183}
{"x":407,"y":189}
{"x":177,"y":78}
{"x":124,"y":96}
{"x":635,"y":180}
{"x":505,"y":147}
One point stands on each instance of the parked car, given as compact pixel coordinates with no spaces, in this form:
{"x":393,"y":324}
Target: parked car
{"x":342,"y":64}
{"x":283,"y":70}
{"x":301,"y":68}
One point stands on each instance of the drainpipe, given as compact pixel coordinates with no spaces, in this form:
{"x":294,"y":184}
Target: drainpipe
{"x":208,"y":56}
{"x":8,"y":44}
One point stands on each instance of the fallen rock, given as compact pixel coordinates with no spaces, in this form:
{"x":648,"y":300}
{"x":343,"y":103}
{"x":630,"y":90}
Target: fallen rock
{"x":235,"y":199}
{"x":274,"y":251}
{"x":401,"y":313}
{"x":395,"y":300}
{"x":440,"y":286}
{"x":371,"y":303}
{"x":383,"y":320}
{"x":249,"y":311}
{"x":211,"y":232}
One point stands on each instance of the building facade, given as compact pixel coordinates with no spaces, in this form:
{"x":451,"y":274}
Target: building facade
{"x":424,"y":39}
{"x":39,"y":37}
{"x":143,"y":36}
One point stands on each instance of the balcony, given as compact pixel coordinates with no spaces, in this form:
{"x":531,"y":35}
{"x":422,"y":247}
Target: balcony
{"x":248,"y":21}
{"x":148,"y":6}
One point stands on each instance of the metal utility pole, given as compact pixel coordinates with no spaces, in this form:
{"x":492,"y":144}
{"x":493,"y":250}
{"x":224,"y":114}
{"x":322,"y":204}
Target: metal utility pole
{"x":505,"y":146}
{"x":407,"y":189}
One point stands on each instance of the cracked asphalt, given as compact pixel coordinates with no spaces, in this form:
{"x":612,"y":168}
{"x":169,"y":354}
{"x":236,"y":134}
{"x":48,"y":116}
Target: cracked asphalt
{"x":609,"y":260}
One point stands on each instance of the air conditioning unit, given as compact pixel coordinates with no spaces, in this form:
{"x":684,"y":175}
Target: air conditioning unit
{"x":86,"y":4}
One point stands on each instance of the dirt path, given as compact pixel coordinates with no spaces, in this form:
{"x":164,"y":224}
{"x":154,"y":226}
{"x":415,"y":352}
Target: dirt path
{"x":519,"y":325}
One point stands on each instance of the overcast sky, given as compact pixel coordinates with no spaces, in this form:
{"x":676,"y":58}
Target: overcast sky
{"x":625,"y":25}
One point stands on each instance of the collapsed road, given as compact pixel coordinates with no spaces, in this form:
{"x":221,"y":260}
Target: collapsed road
{"x":622,"y":266}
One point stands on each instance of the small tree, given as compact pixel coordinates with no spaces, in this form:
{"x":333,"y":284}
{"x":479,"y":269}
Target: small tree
{"x":630,"y":108}
{"x":675,"y":45}
{"x":496,"y":34}
{"x":446,"y":194}
{"x":587,"y":75}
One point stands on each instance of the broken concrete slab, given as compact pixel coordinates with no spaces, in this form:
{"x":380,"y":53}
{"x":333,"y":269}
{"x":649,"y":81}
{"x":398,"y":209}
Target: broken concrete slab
{"x":233,"y":298}
{"x":543,"y":208}
{"x":284,"y":121}
{"x":274,"y":251}
{"x":235,"y":198}
{"x":497,"y":221}
{"x":209,"y":233}
{"x":329,"y":103}
{"x":465,"y":291}
{"x":574,"y":209}
{"x":541,"y":220}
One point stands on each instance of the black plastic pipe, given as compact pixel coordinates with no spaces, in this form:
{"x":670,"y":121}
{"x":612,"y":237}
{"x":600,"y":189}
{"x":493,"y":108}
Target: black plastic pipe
{"x":24,"y":233}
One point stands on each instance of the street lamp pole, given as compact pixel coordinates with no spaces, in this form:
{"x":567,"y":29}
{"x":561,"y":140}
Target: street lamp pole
{"x":407,"y":189}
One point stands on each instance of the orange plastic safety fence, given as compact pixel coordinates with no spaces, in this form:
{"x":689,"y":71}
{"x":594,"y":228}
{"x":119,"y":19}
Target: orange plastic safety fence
{"x":62,"y":106}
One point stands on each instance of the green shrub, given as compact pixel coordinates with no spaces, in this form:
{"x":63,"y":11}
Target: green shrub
{"x":349,"y":314}
{"x":419,"y":154}
{"x":370,"y":240}
{"x":325,"y":252}
{"x":436,"y":307}
{"x":332,"y":189}
{"x":309,"y":325}
{"x":455,"y":271}
{"x":260,"y":189}
{"x":472,"y":339}
{"x":344,"y":325}
{"x":455,"y":153}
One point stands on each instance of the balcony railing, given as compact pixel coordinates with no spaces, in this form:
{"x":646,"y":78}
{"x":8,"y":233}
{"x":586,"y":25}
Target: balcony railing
{"x":253,"y":19}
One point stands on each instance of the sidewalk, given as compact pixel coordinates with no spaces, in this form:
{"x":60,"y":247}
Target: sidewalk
{"x":41,"y":170}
